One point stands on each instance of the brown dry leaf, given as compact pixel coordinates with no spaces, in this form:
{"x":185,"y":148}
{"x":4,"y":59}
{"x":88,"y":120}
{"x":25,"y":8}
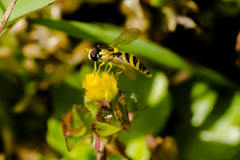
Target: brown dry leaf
{"x":237,"y":48}
{"x":152,"y":142}
{"x":69,"y":6}
{"x":165,"y":150}
{"x":171,"y":18}
{"x":193,"y":6}
{"x":187,"y":22}
{"x":5,"y":52}
{"x":180,"y":77}
{"x":31,"y":66}
{"x":136,"y":18}
{"x":34,"y":150}
{"x":34,"y":50}
{"x":19,"y":26}
{"x":78,"y":53}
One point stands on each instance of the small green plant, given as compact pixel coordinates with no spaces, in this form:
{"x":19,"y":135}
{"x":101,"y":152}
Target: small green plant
{"x":96,"y":118}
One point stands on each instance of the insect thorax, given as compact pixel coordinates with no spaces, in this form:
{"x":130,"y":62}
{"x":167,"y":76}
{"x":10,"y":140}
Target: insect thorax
{"x":104,"y":56}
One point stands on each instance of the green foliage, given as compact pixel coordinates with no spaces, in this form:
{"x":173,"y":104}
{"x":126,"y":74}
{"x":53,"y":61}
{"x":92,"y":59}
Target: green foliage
{"x":86,"y":116}
{"x":201,"y":112}
{"x":22,"y":8}
{"x":212,"y":122}
{"x":115,"y":157}
{"x":104,"y":129}
{"x":140,"y":48}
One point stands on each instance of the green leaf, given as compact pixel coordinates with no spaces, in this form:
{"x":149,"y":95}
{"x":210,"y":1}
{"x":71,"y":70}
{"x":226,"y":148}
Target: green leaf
{"x":71,"y":121}
{"x":142,"y":48}
{"x":55,"y":136}
{"x":91,"y":105}
{"x":158,"y":105}
{"x":159,"y":88}
{"x":77,"y":132}
{"x":202,"y":106}
{"x":136,"y":147}
{"x":75,"y":120}
{"x":106,"y":115}
{"x":115,"y":157}
{"x":73,"y":129}
{"x":226,"y":129}
{"x":56,"y":140}
{"x":86,"y":117}
{"x":104,"y":129}
{"x":122,"y":112}
{"x":22,"y":8}
{"x":75,"y":137}
{"x":216,"y":132}
{"x":157,"y":3}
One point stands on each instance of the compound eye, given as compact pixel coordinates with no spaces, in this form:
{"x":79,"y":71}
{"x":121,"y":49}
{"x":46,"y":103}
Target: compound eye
{"x":94,"y":54}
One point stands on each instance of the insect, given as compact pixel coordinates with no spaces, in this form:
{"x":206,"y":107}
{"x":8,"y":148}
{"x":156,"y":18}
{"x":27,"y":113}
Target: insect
{"x":125,"y":62}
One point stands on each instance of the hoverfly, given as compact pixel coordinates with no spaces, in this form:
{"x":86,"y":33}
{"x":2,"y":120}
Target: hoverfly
{"x":125,"y":62}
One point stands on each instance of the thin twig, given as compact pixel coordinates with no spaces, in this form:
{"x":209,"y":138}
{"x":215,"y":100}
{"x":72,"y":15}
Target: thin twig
{"x":6,"y":15}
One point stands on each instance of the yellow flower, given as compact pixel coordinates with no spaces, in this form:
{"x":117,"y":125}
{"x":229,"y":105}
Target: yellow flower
{"x":100,"y":88}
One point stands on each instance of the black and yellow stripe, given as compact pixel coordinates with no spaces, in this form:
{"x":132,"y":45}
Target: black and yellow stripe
{"x":134,"y":62}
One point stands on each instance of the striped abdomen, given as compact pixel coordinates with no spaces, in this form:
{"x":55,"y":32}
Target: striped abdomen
{"x":134,"y":62}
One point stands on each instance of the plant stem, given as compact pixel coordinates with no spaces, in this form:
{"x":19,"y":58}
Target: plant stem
{"x":6,"y":15}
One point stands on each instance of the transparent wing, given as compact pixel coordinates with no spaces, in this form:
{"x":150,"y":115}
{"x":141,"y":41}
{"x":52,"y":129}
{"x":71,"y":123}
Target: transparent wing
{"x":126,"y":37}
{"x":129,"y":72}
{"x":126,"y":70}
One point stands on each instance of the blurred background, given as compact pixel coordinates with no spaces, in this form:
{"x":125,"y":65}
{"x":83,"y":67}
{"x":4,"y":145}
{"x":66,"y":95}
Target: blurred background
{"x":189,"y":109}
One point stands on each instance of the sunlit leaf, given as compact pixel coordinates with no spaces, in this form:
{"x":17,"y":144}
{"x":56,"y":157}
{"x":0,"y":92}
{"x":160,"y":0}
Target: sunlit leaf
{"x":216,"y":136}
{"x":71,"y":121}
{"x":157,"y":3}
{"x":75,"y":120}
{"x":23,"y":8}
{"x":226,"y":129}
{"x":104,"y":129}
{"x":56,"y":140}
{"x":137,"y":149}
{"x":91,"y":105}
{"x":136,"y":146}
{"x":73,"y":128}
{"x":122,"y":112}
{"x":86,"y":117}
{"x":159,"y":88}
{"x":202,"y":106}
{"x":74,"y":137}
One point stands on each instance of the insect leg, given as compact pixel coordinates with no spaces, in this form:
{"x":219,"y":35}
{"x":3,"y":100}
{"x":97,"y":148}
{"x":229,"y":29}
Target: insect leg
{"x":106,"y":67}
{"x":110,"y":64}
{"x":100,"y":66}
{"x":119,"y":71}
{"x":95,"y":67}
